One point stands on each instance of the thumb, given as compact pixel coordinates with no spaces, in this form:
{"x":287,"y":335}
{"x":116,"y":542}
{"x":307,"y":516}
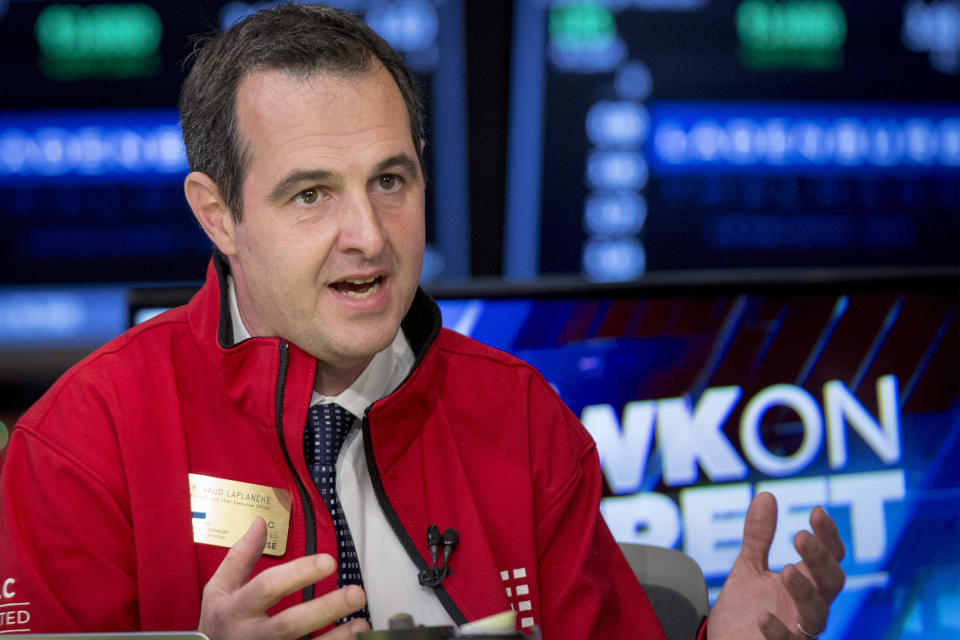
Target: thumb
{"x":235,"y":569}
{"x":758,"y":530}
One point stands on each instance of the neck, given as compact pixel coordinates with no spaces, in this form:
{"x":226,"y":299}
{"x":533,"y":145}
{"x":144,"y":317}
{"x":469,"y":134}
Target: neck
{"x":331,"y":381}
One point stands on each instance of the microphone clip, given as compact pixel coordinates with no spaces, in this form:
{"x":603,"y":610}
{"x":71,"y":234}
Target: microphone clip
{"x":434,"y":576}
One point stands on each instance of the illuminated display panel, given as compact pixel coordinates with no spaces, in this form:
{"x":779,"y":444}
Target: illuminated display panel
{"x":655,"y":135}
{"x":91,"y":162}
{"x":842,"y":393}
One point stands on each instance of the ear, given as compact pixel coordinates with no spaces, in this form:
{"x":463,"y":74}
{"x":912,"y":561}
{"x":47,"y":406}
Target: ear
{"x":211,"y":211}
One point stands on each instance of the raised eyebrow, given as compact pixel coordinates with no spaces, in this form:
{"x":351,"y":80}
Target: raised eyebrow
{"x":401,"y":161}
{"x":294,"y":179}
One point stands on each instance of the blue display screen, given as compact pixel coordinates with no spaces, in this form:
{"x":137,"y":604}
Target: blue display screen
{"x":845,"y":397}
{"x":681,"y":134}
{"x":105,"y":147}
{"x":91,"y":158}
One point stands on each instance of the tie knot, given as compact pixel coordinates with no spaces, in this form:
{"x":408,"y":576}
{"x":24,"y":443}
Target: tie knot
{"x":327,"y":428}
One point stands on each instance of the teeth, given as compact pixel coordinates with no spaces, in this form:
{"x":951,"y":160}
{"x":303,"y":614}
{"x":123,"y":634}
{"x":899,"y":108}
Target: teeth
{"x":362,"y":281}
{"x":358,"y":295}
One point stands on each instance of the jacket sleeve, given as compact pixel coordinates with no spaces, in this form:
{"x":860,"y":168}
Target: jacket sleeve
{"x":589,"y":590}
{"x":66,"y":544}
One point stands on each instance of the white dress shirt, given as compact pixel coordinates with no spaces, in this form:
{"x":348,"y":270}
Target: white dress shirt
{"x":389,"y":576}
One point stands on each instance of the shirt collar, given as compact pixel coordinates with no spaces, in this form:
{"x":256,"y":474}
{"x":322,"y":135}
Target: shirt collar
{"x":382,"y":376}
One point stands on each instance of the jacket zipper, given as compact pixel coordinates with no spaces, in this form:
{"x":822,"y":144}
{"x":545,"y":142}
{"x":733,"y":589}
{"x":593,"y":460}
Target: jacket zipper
{"x":398,"y":528}
{"x":309,"y":525}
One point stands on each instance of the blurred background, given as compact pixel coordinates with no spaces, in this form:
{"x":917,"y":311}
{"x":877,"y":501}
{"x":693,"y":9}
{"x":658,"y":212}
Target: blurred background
{"x":650,"y":200}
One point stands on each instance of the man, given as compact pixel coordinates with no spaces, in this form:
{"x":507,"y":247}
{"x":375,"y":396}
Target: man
{"x":303,"y":134}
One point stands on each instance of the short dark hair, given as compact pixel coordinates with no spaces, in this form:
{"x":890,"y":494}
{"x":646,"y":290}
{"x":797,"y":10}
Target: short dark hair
{"x":296,"y":38}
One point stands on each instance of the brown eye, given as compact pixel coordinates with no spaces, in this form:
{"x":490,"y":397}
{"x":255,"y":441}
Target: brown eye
{"x":307,"y":196}
{"x":388,"y":182}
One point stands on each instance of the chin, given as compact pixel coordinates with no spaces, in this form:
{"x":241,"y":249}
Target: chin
{"x":356,"y":348}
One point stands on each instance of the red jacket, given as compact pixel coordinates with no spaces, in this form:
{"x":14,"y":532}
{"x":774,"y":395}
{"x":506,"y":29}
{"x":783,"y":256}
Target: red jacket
{"x":96,"y":527}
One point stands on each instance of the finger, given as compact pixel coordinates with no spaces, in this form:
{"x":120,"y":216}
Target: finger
{"x":820,"y":564}
{"x":317,"y":613}
{"x":235,"y":569}
{"x":826,"y":530}
{"x":270,"y":585}
{"x":773,"y":629}
{"x":348,"y":630}
{"x":810,"y":605}
{"x":758,"y":529}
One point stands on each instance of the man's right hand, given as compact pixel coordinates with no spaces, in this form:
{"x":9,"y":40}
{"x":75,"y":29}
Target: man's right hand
{"x":235,"y":607}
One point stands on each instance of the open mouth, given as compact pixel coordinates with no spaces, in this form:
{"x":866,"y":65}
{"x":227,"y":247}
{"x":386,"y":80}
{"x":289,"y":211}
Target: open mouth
{"x":358,"y":288}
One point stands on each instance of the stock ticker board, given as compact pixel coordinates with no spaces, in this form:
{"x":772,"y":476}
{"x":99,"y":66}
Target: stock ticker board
{"x":645,"y":135}
{"x":91,"y":159}
{"x":676,"y":134}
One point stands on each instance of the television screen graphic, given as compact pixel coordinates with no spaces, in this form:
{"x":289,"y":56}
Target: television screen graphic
{"x":841,"y":395}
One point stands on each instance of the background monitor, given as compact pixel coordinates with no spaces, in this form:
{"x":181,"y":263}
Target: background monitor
{"x":838,"y":390}
{"x":91,"y":158}
{"x":652,"y":135}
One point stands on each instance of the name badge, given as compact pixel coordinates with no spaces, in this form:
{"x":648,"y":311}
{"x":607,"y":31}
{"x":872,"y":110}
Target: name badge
{"x":223,"y":510}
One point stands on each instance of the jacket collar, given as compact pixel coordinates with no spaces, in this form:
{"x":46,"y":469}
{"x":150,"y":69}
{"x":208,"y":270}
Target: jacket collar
{"x":421,"y":325}
{"x":249,"y":369}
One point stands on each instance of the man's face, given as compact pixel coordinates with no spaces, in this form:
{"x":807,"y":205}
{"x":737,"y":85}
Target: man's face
{"x":330,"y":246}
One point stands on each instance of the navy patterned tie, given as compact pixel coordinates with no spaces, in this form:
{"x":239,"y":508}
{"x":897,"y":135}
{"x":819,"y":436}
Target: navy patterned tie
{"x":327,"y":427}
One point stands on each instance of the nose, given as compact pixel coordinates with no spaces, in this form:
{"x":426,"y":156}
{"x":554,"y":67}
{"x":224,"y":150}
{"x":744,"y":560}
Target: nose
{"x":360,"y":229}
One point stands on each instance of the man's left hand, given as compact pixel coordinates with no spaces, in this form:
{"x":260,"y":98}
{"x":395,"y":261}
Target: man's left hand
{"x":790,"y":605}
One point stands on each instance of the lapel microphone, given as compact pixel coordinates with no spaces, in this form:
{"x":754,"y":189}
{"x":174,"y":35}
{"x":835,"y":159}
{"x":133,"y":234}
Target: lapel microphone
{"x":434,"y":576}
